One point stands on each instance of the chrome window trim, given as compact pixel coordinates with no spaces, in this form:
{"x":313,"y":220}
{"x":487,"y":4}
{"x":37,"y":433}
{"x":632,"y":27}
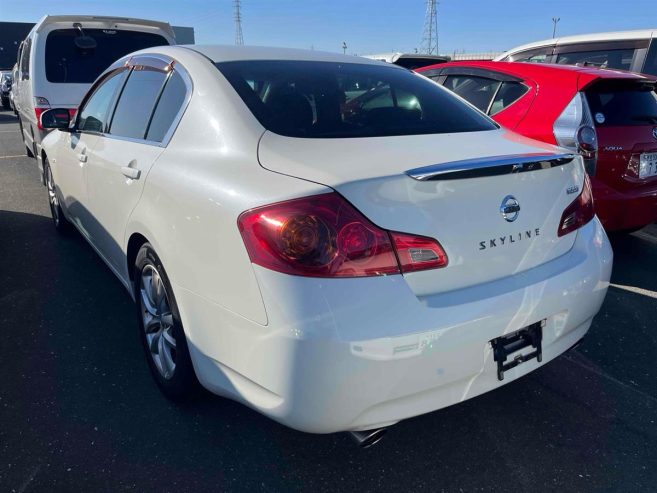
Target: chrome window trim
{"x":138,"y":61}
{"x":490,"y":166}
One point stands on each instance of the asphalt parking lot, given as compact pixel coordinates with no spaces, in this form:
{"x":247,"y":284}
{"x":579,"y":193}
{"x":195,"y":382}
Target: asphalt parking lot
{"x":79,"y":412}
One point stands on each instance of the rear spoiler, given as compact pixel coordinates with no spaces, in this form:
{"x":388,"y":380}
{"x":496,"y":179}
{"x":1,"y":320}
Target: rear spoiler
{"x":489,"y":166}
{"x":110,"y":22}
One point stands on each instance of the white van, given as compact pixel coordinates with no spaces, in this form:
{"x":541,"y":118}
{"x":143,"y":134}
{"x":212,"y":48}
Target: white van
{"x":64,"y":54}
{"x":635,"y":51}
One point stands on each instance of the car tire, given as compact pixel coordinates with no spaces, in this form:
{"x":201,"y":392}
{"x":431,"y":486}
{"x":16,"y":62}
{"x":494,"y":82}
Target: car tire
{"x":59,"y":219}
{"x":160,"y":328}
{"x":5,"y":104}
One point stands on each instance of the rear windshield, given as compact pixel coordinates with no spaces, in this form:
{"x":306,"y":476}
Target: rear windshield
{"x":335,"y":100}
{"x":613,"y":104}
{"x":74,"y":58}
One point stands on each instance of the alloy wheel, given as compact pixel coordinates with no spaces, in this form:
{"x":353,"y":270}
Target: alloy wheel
{"x":157,"y":321}
{"x":52,"y":196}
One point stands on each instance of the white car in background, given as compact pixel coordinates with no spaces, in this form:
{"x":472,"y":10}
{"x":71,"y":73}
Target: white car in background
{"x":635,"y":51}
{"x":334,"y":260}
{"x":64,"y":54}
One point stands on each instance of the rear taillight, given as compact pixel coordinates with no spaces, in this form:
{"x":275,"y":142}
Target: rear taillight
{"x":325,"y":236}
{"x":72,"y":112}
{"x":579,"y":212}
{"x":40,"y":105}
{"x":575,"y":130}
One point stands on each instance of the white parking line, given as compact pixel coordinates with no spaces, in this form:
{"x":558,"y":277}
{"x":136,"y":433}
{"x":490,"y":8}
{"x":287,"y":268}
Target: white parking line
{"x":7,"y":131}
{"x":632,"y":289}
{"x":9,"y":157}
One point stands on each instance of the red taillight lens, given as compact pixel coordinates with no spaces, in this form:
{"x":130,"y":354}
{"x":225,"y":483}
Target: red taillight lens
{"x":72,"y":112}
{"x":325,"y":236}
{"x":418,"y":252}
{"x":579,"y":212}
{"x":40,"y":105}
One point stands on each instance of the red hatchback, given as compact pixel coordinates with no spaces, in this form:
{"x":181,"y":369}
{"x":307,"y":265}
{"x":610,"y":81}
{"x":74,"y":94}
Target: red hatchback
{"x":609,"y":117}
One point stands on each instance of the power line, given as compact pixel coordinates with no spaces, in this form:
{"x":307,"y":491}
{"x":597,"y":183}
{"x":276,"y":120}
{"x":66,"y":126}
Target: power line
{"x":430,"y":34}
{"x":239,"y":38}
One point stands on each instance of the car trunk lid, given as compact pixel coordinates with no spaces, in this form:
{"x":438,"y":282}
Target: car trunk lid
{"x":425,"y":185}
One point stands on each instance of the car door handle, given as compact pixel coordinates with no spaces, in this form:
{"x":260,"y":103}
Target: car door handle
{"x":131,"y":173}
{"x":82,"y":158}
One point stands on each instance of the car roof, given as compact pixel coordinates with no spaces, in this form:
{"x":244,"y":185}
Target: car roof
{"x":227,"y":53}
{"x":539,"y":70}
{"x":584,"y":38}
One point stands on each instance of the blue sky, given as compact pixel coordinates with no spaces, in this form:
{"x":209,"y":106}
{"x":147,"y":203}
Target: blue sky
{"x":367,"y":26}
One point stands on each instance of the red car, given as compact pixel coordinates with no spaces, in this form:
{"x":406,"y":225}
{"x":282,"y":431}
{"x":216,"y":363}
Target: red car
{"x":610,"y":117}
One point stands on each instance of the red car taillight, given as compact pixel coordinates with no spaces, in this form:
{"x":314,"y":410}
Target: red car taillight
{"x":40,"y":105}
{"x":579,"y":212}
{"x":325,"y":236}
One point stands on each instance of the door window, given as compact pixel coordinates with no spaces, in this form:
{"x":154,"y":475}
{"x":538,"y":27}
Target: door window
{"x":478,"y":91}
{"x":618,"y":59}
{"x":168,"y":107}
{"x":136,"y":103}
{"x":536,"y":55}
{"x":94,"y":114}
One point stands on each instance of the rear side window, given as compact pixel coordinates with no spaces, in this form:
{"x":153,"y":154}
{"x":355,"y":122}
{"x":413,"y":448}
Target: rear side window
{"x":94,"y":113}
{"x":168,"y":106}
{"x":25,"y":59}
{"x":478,"y":91}
{"x":74,"y":56}
{"x":618,"y":59}
{"x":616,"y":104}
{"x":343,"y":100}
{"x":650,"y":66}
{"x":136,"y":103}
{"x":509,"y":93}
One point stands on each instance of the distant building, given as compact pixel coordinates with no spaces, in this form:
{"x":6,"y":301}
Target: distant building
{"x":488,"y":55}
{"x":12,"y":33}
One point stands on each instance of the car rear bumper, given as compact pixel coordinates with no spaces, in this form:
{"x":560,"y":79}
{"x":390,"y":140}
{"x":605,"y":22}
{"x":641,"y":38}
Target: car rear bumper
{"x":625,"y":210}
{"x":354,"y":354}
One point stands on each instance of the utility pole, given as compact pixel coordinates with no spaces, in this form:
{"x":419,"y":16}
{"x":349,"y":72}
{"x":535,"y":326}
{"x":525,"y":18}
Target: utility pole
{"x":430,"y":34}
{"x":239,"y":39}
{"x":344,"y":47}
{"x":554,"y":29}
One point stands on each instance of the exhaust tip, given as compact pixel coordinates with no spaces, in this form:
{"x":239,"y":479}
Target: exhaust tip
{"x":368,"y":438}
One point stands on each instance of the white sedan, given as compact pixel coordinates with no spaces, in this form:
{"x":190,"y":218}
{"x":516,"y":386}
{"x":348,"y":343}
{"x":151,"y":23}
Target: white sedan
{"x":338,"y":243}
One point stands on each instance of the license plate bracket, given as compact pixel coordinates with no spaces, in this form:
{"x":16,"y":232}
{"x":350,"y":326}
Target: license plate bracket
{"x":504,"y":346}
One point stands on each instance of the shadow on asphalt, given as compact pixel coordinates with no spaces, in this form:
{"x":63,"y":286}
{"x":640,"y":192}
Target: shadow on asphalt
{"x":8,"y":117}
{"x":81,"y":412}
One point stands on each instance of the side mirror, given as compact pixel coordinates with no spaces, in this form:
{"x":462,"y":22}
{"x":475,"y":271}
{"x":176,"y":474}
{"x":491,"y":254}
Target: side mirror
{"x":56,"y":118}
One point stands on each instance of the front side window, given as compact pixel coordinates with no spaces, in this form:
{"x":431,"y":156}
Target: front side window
{"x":136,"y":103}
{"x":618,"y":59}
{"x":94,"y":114}
{"x":343,"y":100}
{"x":478,"y":91}
{"x":75,"y":56}
{"x":536,"y":55}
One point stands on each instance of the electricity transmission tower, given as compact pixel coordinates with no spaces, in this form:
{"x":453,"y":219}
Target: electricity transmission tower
{"x":239,"y":39}
{"x":430,"y":34}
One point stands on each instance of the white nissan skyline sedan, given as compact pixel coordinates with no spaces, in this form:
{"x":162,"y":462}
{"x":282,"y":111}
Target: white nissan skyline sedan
{"x":338,"y":243}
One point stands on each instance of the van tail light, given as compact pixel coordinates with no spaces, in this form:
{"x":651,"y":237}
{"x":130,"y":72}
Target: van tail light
{"x":579,"y":212}
{"x":575,"y":130}
{"x":40,"y":105}
{"x":325,"y":236}
{"x":72,"y":112}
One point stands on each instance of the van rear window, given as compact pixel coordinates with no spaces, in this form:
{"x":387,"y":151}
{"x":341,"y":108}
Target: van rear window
{"x":618,"y":104}
{"x":75,"y":59}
